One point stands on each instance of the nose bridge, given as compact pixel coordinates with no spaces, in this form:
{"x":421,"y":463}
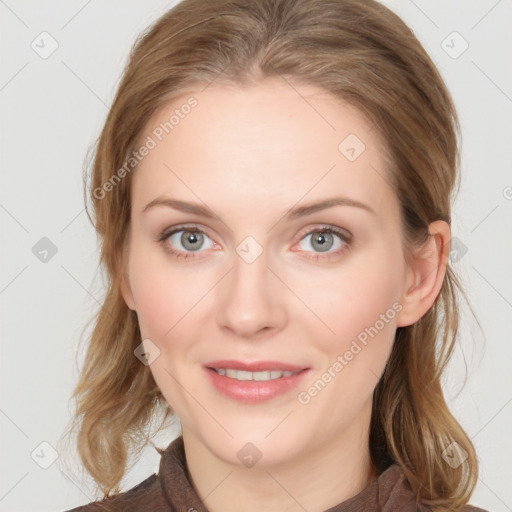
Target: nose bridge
{"x":249,"y":298}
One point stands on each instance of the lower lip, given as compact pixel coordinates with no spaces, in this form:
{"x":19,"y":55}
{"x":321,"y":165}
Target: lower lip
{"x":254,"y":391}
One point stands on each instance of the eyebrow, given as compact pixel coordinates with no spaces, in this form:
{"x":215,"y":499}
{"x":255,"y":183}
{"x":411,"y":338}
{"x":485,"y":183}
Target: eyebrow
{"x":292,"y":213}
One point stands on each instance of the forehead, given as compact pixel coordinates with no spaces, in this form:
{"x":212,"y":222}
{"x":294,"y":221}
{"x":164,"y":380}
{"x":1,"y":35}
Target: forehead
{"x":240,"y":148}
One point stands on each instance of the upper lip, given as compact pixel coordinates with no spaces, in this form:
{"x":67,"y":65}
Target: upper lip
{"x":255,"y":366}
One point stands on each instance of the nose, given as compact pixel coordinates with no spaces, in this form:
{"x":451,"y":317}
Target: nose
{"x":251,"y":299}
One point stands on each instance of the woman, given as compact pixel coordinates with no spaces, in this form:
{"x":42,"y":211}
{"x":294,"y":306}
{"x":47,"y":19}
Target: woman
{"x":272,"y":189}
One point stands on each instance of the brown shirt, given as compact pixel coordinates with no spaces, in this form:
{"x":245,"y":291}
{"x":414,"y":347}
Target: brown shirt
{"x":171,"y":491}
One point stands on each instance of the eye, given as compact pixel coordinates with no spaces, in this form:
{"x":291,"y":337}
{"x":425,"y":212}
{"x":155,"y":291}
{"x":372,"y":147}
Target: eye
{"x":183,"y":241}
{"x":326,"y":239}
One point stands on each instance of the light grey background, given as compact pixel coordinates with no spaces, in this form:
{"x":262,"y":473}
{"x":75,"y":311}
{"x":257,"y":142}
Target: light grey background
{"x":52,"y":110}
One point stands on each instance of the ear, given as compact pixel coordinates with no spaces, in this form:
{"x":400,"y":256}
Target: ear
{"x":425,"y":274}
{"x":126,"y":291}
{"x":124,"y":282}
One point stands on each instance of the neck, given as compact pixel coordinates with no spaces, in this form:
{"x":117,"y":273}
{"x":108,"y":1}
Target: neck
{"x":315,"y":481}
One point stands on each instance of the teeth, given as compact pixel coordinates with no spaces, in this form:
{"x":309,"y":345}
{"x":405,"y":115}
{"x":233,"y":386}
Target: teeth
{"x":244,"y":375}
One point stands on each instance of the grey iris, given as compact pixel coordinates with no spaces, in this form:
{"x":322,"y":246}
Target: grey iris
{"x":321,"y":241}
{"x":192,"y":240}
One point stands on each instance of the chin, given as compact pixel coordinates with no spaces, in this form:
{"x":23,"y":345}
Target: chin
{"x":260,"y":442}
{"x":251,"y":450}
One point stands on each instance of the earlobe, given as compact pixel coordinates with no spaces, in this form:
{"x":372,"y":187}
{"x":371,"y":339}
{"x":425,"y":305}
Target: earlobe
{"x":126,"y":292}
{"x":425,"y":275}
{"x":124,"y":282}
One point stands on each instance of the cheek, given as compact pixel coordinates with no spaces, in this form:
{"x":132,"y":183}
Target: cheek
{"x":353,"y":297}
{"x":360,"y":304}
{"x":164,"y":293}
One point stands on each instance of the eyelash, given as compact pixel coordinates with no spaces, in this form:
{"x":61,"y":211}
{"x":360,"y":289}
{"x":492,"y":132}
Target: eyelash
{"x":347,"y":241}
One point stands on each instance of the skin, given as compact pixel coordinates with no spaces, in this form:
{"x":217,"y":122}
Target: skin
{"x":250,"y":155}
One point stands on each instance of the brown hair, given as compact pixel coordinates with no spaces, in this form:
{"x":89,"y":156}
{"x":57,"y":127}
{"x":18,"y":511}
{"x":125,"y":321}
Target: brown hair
{"x":358,"y":51}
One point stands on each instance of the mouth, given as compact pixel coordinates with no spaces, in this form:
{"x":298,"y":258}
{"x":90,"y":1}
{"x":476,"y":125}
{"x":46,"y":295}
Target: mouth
{"x":254,"y":382}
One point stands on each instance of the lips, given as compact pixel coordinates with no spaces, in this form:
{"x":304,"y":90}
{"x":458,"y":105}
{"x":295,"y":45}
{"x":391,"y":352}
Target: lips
{"x":233,"y":380}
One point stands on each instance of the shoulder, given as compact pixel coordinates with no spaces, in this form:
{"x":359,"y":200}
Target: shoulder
{"x":394,"y":493}
{"x":145,"y":496}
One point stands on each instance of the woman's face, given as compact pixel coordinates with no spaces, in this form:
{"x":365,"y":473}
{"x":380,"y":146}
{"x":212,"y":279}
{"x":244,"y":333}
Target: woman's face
{"x":235,"y":263}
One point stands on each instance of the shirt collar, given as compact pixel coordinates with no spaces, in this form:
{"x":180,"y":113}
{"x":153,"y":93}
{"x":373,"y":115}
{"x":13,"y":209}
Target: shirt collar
{"x":389,"y":492}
